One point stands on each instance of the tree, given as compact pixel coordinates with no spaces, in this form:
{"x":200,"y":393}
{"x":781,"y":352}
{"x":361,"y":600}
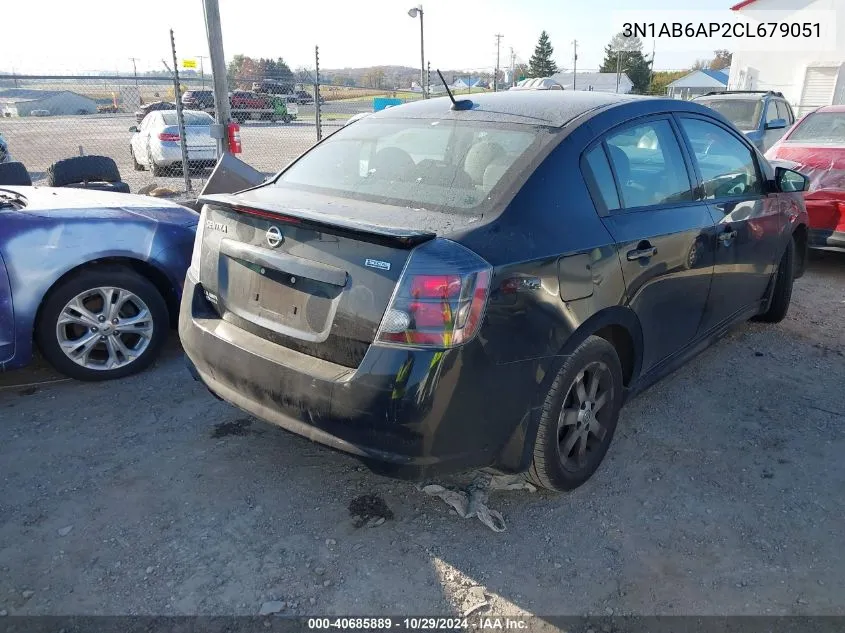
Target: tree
{"x":541,"y":63}
{"x":245,"y":70}
{"x":625,"y":55}
{"x":662,"y":78}
{"x":721,"y":59}
{"x":374,"y":78}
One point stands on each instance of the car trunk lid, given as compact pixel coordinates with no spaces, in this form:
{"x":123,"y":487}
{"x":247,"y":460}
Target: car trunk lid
{"x":312,"y":272}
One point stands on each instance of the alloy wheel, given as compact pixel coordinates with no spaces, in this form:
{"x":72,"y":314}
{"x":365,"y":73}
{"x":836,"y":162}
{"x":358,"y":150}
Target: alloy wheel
{"x":104,"y":328}
{"x":581,"y":424}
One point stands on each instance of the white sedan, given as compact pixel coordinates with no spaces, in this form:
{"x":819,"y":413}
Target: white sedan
{"x":155,"y":144}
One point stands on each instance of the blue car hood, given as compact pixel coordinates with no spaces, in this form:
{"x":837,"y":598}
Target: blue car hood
{"x":58,"y":202}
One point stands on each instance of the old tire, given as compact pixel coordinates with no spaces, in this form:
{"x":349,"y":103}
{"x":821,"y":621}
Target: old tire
{"x":578,"y":419}
{"x":79,"y":303}
{"x":14,"y":174}
{"x":782,"y":291}
{"x":82,"y":169}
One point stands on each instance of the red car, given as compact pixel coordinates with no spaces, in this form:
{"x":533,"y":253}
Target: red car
{"x":815,"y":146}
{"x":249,"y":105}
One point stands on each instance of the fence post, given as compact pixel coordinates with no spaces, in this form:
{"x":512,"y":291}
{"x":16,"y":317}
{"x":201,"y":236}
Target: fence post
{"x":183,"y":143}
{"x":317,"y":120}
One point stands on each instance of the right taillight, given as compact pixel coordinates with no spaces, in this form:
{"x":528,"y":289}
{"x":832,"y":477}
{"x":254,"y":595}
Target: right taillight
{"x":440,"y":298}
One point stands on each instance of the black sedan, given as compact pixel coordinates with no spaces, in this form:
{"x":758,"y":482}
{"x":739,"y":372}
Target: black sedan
{"x":445,"y":286}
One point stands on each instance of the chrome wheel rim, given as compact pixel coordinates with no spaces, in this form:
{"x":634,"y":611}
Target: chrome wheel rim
{"x":583,"y":421}
{"x":104,"y":328}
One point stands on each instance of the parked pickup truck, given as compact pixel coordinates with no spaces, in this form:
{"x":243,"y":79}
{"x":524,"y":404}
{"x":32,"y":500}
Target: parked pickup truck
{"x":250,"y":105}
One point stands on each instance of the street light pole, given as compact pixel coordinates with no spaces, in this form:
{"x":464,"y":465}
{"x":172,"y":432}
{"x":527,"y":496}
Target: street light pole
{"x":202,"y":70}
{"x":498,"y":37}
{"x":413,"y":13}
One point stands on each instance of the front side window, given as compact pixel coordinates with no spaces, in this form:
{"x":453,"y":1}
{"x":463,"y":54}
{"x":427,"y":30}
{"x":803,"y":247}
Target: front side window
{"x":726,"y":164}
{"x":649,"y":165}
{"x":443,"y":165}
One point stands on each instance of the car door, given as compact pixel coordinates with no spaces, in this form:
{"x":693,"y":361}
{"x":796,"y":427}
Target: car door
{"x":748,"y":222}
{"x":663,"y":236}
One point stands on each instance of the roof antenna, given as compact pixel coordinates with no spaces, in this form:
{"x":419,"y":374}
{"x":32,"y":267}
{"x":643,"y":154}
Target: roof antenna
{"x":463,"y":104}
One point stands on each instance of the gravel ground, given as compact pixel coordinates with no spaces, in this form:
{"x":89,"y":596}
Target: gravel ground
{"x":722,"y":494}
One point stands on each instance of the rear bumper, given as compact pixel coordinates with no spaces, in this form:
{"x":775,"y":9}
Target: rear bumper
{"x":406,"y":413}
{"x":823,"y":238}
{"x":170,"y":152}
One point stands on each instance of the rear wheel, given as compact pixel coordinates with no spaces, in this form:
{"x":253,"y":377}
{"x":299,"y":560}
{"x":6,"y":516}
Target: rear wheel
{"x":782,"y":292}
{"x":156,"y":170}
{"x":102,"y":324}
{"x":579,"y":417}
{"x":138,"y":166}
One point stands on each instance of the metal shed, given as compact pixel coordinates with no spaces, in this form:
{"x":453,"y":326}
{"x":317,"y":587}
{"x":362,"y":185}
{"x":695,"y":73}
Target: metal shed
{"x":17,"y":102}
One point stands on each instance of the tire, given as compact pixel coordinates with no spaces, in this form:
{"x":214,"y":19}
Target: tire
{"x":155,"y":170}
{"x":82,"y":289}
{"x":564,"y":423}
{"x":782,"y":292}
{"x":81,"y":169}
{"x":14,"y":174}
{"x":138,"y":166}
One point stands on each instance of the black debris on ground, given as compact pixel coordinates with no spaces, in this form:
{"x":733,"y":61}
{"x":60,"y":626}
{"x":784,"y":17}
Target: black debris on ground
{"x":238,"y":427}
{"x":369,"y":510}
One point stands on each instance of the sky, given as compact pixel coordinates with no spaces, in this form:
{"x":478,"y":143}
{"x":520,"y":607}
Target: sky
{"x":459,"y":34}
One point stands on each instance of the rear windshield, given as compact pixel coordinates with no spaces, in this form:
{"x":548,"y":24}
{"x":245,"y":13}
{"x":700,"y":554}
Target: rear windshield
{"x":447,"y":166}
{"x":191,"y":118}
{"x":743,"y":113}
{"x":822,"y":127}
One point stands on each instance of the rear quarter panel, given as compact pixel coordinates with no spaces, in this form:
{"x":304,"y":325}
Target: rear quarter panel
{"x":39,"y":250}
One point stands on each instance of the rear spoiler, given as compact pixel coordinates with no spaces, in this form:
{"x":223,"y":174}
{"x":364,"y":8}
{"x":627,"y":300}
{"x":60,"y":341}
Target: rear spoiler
{"x":335,"y":225}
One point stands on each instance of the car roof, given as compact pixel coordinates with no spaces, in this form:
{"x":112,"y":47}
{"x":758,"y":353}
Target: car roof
{"x":741,"y":96}
{"x":831,"y":108}
{"x":554,"y":108}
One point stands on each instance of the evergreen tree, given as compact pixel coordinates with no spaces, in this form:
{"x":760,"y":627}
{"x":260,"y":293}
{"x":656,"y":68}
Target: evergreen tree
{"x":541,"y":63}
{"x":626,"y":55}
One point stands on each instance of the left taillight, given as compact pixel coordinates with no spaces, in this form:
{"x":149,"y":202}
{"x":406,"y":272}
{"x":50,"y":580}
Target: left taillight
{"x":440,"y":298}
{"x":195,"y":256}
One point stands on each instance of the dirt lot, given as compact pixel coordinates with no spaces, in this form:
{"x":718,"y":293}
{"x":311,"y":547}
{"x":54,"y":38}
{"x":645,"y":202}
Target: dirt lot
{"x":722,"y":494}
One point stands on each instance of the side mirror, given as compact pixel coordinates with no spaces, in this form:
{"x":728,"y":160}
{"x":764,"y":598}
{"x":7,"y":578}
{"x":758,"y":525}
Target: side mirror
{"x":134,"y":128}
{"x":790,"y":181}
{"x":776,"y":124}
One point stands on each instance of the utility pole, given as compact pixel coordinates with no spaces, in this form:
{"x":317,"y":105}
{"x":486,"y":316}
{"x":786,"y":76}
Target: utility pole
{"x":574,"y":62}
{"x":513,"y":67}
{"x":214,"y":33}
{"x":180,"y":117}
{"x":499,"y":37}
{"x":202,"y":69}
{"x":651,"y":74}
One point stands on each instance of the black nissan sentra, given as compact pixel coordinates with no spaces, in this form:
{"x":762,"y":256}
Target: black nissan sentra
{"x":441,"y":286}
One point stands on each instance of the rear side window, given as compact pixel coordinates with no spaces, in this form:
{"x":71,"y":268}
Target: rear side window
{"x":784,"y":112}
{"x":600,"y":178}
{"x":726,"y":164}
{"x":772,"y":112}
{"x":649,"y":165}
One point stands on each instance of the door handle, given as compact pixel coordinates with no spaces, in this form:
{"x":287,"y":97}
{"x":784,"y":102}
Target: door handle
{"x":641,"y":253}
{"x":726,"y":236}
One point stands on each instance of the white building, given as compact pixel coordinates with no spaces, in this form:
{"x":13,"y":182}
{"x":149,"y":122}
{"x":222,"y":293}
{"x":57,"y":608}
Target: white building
{"x":697,"y":83}
{"x":598,"y":82}
{"x":807,"y":79}
{"x":16,"y":102}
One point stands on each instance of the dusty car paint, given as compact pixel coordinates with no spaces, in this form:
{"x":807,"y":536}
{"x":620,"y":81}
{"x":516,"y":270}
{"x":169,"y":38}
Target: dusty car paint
{"x":414,"y":412}
{"x":60,"y":230}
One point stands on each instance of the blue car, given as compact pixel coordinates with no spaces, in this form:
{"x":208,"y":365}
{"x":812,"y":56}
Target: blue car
{"x":763,"y":116}
{"x":92,"y":278}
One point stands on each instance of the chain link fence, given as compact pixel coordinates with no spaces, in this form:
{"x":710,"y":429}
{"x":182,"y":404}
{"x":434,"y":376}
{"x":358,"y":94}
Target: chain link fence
{"x":133,"y":121}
